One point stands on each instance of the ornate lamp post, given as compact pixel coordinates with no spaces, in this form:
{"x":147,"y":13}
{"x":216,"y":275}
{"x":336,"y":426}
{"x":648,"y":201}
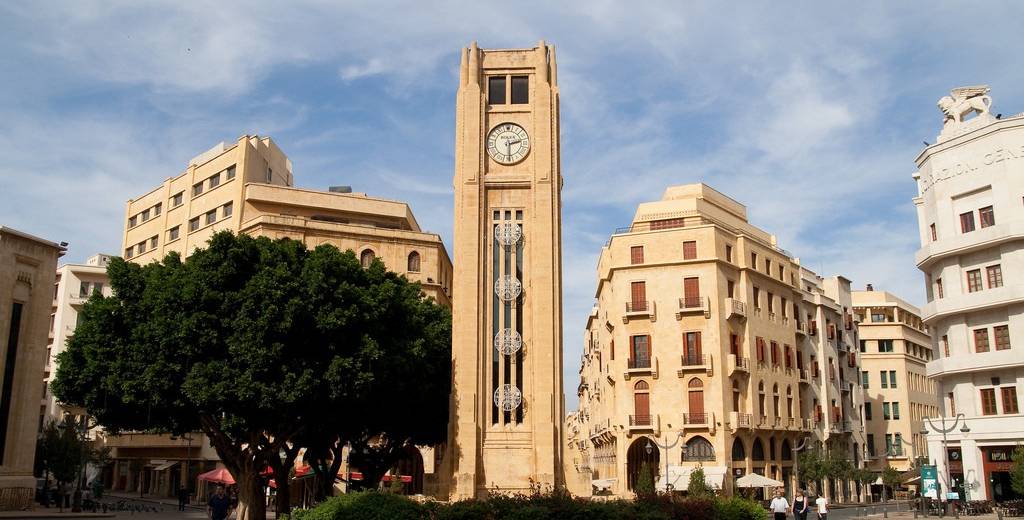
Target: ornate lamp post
{"x":945,"y":453}
{"x":650,"y":448}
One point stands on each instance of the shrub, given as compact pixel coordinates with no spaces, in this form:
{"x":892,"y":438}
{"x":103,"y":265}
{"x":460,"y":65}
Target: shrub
{"x":370,"y":505}
{"x":374,"y":505}
{"x":737,"y":508}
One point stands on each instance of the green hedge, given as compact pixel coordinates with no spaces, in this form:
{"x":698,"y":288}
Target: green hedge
{"x":383,"y":506}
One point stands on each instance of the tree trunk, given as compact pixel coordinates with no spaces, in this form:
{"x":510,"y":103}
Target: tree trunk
{"x":282,"y":468}
{"x":251,"y":503}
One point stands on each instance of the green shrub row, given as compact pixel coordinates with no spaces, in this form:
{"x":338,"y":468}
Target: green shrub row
{"x":556,"y":506}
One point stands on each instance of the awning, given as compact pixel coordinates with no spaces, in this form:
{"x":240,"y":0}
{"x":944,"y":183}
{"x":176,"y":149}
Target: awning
{"x":603,"y":484}
{"x":679,"y":477}
{"x":167,"y":464}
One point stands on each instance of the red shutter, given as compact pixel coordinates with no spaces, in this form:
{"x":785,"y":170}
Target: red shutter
{"x":691,"y":292}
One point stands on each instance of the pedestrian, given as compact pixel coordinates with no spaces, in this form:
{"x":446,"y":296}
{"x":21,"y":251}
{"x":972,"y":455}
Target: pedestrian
{"x":822,"y":504}
{"x":800,"y":505}
{"x":779,"y":506}
{"x":219,"y":506}
{"x":182,"y":497}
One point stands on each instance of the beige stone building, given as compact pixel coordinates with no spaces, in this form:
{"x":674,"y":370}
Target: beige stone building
{"x":248,"y":187}
{"x":507,"y":402}
{"x":708,"y":338}
{"x":894,"y":347}
{"x":27,"y":267}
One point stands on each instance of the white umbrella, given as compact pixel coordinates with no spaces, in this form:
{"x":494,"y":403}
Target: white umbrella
{"x":753,"y":480}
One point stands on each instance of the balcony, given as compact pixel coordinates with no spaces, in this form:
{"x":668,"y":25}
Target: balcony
{"x":643,"y":422}
{"x":735,"y":309}
{"x":695,"y":363}
{"x":807,"y":424}
{"x":738,"y":364}
{"x":739,"y":420}
{"x":640,"y":309}
{"x":694,"y":305}
{"x":801,"y":328}
{"x":641,"y":366}
{"x":792,"y":423}
{"x":698,"y":420}
{"x":803,"y":376}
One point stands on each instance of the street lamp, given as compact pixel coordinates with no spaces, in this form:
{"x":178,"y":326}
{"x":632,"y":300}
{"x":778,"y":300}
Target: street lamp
{"x":650,"y":447}
{"x":943,"y":430}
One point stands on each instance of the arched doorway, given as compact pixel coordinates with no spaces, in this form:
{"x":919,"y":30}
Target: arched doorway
{"x":642,"y":455}
{"x":410,"y":468}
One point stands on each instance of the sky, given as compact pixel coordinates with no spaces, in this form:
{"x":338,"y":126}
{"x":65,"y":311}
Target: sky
{"x":809,"y":113}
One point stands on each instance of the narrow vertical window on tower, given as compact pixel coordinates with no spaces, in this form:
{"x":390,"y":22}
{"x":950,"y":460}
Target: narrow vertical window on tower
{"x":520,"y":90}
{"x":507,"y":318}
{"x":496,"y":90}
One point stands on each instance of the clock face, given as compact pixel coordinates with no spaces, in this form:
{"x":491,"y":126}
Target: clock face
{"x":508,"y":143}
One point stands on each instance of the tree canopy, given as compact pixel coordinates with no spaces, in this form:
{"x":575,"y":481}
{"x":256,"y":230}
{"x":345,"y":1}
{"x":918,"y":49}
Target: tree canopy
{"x":258,"y":343}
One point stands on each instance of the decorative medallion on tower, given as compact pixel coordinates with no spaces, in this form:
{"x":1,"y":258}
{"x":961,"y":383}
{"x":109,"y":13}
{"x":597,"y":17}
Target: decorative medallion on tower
{"x":507,"y":398}
{"x":508,"y":342}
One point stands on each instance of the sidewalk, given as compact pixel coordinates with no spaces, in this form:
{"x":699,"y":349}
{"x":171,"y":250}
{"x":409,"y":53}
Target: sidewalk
{"x":53,"y":512}
{"x":170,"y":504}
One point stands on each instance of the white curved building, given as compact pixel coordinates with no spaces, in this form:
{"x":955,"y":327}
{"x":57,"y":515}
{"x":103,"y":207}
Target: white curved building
{"x":971,"y":219}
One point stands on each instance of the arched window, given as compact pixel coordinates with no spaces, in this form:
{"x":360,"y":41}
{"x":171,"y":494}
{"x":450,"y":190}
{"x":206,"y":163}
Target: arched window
{"x":414,"y":262}
{"x":789,"y":401}
{"x":787,"y":451}
{"x":698,"y":449}
{"x":757,"y":450}
{"x":738,"y":453}
{"x":641,"y":405}
{"x":760,"y":398}
{"x":771,"y":448}
{"x":775,"y":399}
{"x":695,"y":391}
{"x":366,"y":257}
{"x":735,"y":396}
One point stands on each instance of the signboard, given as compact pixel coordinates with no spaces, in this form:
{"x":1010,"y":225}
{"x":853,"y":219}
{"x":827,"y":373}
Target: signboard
{"x":929,"y":481}
{"x":952,"y":495}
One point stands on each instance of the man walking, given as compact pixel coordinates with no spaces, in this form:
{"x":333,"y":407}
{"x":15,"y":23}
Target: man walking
{"x":219,"y":506}
{"x":779,"y":506}
{"x":822,"y":504}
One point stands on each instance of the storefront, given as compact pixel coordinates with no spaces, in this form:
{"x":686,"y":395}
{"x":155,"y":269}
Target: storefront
{"x":997,"y":462}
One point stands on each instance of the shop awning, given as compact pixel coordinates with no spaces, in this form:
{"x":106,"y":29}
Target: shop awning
{"x":679,"y":477}
{"x":167,"y":464}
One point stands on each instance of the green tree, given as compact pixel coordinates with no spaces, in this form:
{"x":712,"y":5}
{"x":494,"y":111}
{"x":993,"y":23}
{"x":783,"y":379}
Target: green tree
{"x":865,"y":477}
{"x":891,"y":479}
{"x":1017,"y":471}
{"x":644,"y":486}
{"x":697,"y":487}
{"x":62,"y":452}
{"x":813,"y":468}
{"x":252,"y":341}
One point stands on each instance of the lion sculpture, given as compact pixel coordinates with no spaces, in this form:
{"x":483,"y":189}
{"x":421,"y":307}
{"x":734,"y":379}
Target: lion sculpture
{"x":963,"y":101}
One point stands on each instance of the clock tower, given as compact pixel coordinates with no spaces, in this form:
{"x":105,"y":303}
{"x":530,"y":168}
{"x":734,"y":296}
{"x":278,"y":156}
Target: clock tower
{"x":507,"y":405}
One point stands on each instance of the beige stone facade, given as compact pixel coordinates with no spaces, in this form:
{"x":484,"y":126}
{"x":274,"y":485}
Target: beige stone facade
{"x":708,"y":338}
{"x":27,"y":267}
{"x":507,"y":403}
{"x":894,"y":347}
{"x":248,"y":188}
